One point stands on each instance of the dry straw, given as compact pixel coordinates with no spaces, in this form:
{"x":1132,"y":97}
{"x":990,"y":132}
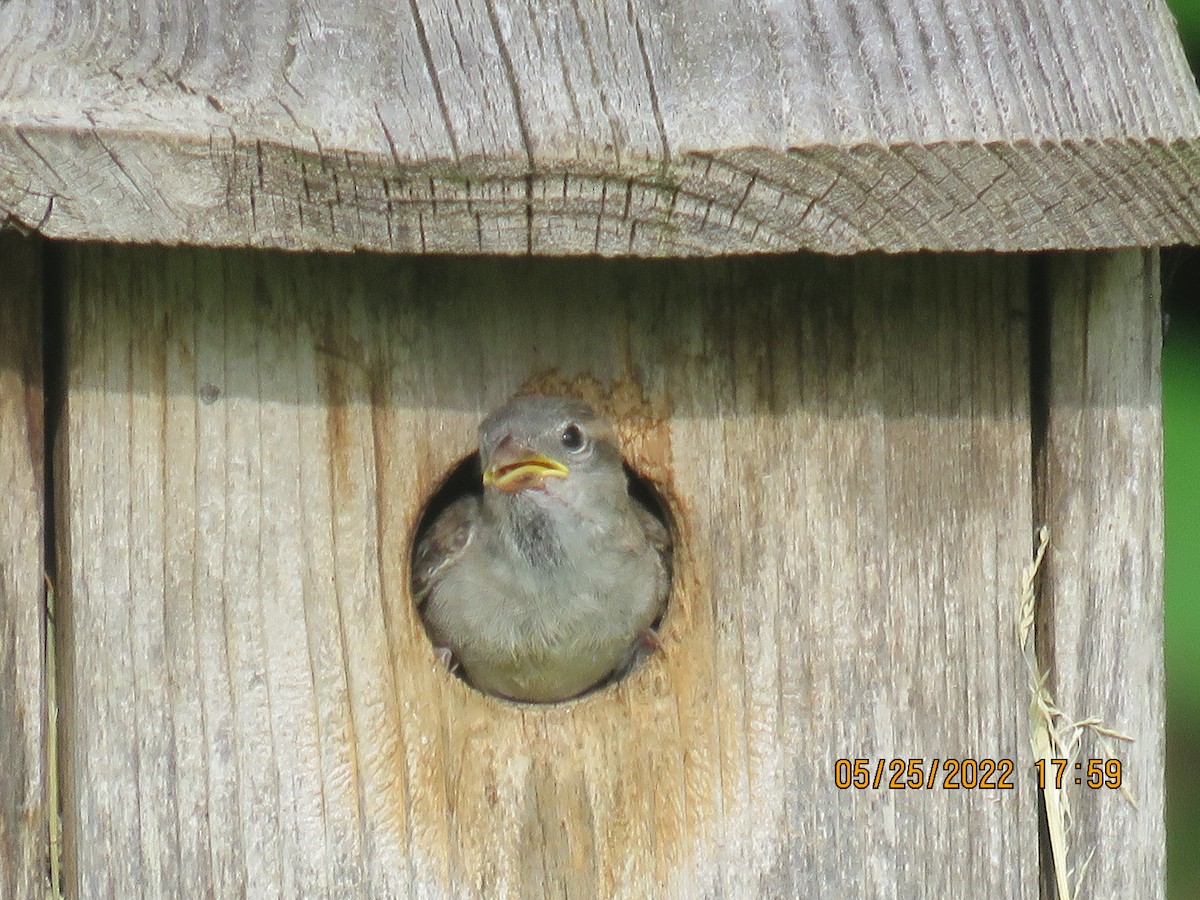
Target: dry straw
{"x":1053,"y":735}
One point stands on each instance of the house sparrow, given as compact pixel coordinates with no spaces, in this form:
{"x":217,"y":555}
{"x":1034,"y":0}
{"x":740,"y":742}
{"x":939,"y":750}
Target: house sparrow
{"x":548,"y":583}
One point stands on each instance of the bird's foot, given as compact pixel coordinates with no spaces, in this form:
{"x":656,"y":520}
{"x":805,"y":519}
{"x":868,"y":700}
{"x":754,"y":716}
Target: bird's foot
{"x":650,"y":640}
{"x":643,"y":645}
{"x":446,"y":657}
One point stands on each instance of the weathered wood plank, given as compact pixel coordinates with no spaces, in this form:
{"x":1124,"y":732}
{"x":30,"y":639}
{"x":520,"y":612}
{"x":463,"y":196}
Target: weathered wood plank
{"x":253,"y":707}
{"x":1103,"y":583}
{"x":630,"y":77}
{"x":24,"y":826}
{"x":615,"y":127}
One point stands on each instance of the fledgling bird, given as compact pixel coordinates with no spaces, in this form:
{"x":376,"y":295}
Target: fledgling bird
{"x":550,"y":581}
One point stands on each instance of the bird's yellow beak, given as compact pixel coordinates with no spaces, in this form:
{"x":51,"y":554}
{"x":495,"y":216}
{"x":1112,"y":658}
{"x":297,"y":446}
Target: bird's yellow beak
{"x":529,"y":470}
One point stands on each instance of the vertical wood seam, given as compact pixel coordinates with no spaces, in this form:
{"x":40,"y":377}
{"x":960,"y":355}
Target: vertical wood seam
{"x":53,"y":400}
{"x":1040,"y":348}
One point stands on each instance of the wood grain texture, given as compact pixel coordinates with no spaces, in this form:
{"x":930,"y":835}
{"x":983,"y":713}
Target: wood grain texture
{"x":24,"y":835}
{"x":622,"y":127}
{"x":1103,"y":501}
{"x":250,"y":702}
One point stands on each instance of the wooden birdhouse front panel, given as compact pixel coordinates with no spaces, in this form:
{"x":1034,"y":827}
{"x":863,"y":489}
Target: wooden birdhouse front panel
{"x":250,"y":704}
{"x":216,"y":458}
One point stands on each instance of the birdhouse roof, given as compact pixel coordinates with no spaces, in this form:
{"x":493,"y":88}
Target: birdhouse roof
{"x":646,"y":127}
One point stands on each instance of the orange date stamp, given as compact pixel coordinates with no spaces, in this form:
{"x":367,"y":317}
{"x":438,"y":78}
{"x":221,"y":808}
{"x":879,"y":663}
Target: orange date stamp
{"x":1099,"y":773}
{"x":925,"y":774}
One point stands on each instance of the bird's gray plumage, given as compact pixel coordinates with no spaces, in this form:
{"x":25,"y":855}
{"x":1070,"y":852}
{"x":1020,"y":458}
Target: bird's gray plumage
{"x":541,"y":590}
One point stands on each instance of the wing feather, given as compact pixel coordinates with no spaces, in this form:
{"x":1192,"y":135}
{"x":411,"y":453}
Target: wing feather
{"x":660,"y":539}
{"x":442,"y":545}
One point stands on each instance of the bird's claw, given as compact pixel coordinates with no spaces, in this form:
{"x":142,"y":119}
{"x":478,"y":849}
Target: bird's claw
{"x":445,"y":656}
{"x":650,"y":640}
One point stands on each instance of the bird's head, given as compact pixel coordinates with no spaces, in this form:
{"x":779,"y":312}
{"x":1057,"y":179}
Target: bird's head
{"x":551,"y":444}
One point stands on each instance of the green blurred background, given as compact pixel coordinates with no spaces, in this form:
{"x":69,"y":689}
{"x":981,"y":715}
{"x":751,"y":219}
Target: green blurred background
{"x":1181,"y":426}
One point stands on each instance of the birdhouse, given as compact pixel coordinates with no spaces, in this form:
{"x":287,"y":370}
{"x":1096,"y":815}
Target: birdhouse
{"x":870,"y":295}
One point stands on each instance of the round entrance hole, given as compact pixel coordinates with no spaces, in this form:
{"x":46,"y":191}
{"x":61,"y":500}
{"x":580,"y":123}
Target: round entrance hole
{"x":464,"y":483}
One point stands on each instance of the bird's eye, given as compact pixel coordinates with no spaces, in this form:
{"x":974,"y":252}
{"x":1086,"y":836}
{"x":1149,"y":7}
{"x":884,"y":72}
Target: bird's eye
{"x":572,"y":437}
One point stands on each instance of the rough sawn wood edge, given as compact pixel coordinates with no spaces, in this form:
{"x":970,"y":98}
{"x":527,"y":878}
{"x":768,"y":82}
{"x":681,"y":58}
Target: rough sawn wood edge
{"x":147,"y":186}
{"x":24,"y":835}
